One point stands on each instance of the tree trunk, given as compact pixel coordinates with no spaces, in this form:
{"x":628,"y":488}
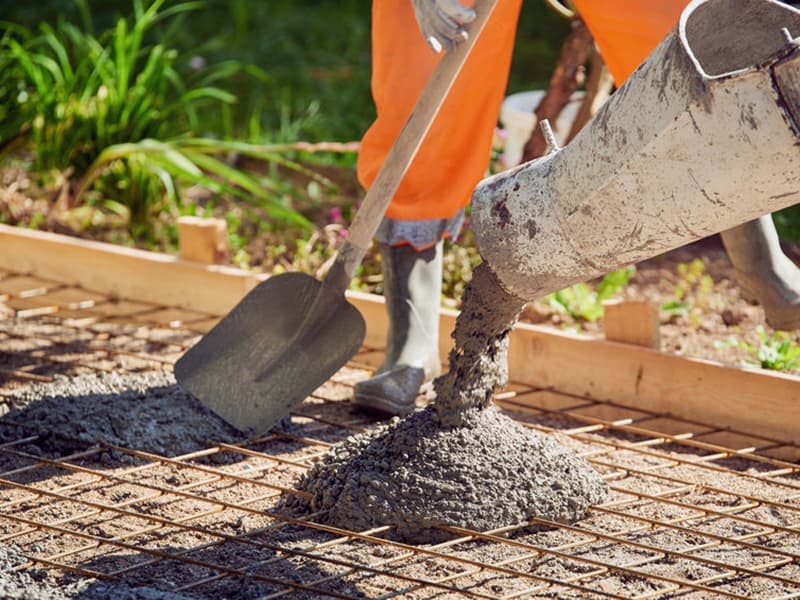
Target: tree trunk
{"x":565,"y":80}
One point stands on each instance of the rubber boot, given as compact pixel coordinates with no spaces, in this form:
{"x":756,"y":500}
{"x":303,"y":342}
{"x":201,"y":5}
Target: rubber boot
{"x":764,"y":273}
{"x":412,"y":287}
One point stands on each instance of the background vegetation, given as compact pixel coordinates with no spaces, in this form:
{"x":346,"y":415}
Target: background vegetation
{"x":117,"y":116}
{"x":314,"y":55}
{"x":124,"y":114}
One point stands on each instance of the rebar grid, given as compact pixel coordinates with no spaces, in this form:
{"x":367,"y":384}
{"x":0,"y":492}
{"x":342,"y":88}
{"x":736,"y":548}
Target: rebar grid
{"x":696,"y":511}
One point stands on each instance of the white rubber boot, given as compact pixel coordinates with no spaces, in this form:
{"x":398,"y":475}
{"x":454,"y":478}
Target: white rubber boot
{"x":764,"y":273}
{"x":413,"y":289}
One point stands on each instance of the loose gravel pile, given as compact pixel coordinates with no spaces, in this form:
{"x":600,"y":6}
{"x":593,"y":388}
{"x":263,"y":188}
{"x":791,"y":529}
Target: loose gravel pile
{"x":416,"y":474}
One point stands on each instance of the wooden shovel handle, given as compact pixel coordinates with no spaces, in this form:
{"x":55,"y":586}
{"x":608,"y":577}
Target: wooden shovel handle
{"x":406,"y":145}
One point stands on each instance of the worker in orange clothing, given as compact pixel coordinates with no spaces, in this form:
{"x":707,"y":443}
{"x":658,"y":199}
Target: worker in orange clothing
{"x":429,"y":204}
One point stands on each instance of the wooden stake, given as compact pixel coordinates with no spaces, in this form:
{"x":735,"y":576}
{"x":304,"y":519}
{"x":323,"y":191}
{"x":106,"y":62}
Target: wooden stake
{"x":632,"y":322}
{"x":202,"y":239}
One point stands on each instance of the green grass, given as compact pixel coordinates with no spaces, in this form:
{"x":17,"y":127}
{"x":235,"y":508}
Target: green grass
{"x":78,"y":94}
{"x":115,"y":117}
{"x":314,"y":53}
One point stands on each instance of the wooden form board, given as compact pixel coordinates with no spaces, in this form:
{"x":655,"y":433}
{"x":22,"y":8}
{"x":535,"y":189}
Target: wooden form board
{"x":760,"y":402}
{"x":749,"y":400}
{"x":124,"y":272}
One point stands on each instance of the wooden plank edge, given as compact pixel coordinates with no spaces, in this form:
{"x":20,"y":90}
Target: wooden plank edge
{"x":760,"y":402}
{"x":128,"y":273}
{"x":748,"y":400}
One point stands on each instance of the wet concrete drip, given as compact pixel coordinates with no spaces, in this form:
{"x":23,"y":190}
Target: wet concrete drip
{"x":458,"y":461}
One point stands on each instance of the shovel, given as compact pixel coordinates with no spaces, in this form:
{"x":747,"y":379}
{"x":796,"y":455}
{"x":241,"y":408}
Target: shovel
{"x":291,"y":333}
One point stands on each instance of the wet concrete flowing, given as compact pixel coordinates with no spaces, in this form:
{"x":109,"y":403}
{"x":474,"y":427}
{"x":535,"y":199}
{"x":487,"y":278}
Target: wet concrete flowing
{"x":479,"y":358}
{"x":459,"y":461}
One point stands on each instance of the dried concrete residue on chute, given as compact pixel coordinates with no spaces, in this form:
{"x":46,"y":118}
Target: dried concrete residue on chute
{"x":459,"y":461}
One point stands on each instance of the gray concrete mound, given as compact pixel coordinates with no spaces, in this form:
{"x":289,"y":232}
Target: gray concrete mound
{"x":144,"y":411}
{"x":416,"y":474}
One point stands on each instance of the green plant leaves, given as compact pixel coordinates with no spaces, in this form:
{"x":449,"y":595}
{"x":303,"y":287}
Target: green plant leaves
{"x":777,"y":351}
{"x":115,"y":106}
{"x":582,"y":302}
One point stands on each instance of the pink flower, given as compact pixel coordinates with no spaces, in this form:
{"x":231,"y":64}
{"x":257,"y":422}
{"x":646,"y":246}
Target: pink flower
{"x":335,"y":214}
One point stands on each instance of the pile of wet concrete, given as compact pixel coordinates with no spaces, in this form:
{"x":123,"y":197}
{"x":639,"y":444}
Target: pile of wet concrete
{"x":417,"y":475}
{"x":459,"y":461}
{"x":142,"y":411}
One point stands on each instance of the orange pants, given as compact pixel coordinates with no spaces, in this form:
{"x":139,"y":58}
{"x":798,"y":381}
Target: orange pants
{"x":626,"y":31}
{"x":455,"y":153}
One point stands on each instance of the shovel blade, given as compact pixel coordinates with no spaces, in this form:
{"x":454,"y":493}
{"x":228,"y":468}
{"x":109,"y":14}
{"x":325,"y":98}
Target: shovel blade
{"x":283,"y":340}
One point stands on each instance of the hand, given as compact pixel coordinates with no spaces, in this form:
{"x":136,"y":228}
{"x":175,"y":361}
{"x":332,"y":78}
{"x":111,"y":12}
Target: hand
{"x":442,"y":22}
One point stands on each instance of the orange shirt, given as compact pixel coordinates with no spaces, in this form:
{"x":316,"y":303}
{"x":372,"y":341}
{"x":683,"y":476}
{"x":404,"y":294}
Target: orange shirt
{"x":626,"y":31}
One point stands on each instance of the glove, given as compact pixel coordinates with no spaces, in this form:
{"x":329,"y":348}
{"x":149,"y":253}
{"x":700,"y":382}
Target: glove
{"x":442,"y":22}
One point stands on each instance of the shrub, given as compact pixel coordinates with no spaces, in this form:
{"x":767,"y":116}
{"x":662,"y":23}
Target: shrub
{"x":583,"y":302}
{"x":114,"y":112}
